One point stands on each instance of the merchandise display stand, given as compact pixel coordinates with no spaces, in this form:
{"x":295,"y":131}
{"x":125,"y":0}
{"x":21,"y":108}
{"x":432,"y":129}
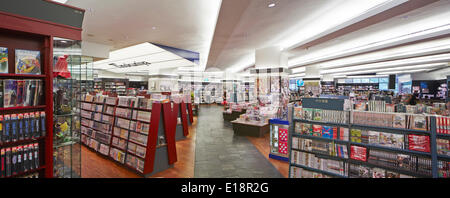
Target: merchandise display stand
{"x":347,"y":153}
{"x":182,"y":129}
{"x":146,"y":147}
{"x":189,"y":114}
{"x":32,"y":34}
{"x":250,"y":129}
{"x":279,"y":136}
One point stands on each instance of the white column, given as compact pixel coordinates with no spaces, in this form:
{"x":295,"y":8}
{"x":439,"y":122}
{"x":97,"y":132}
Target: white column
{"x":312,"y":71}
{"x":268,"y":57}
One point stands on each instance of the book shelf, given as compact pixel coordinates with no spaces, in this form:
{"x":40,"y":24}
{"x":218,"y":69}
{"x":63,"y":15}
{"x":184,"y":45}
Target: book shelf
{"x":341,"y":148}
{"x":118,"y":86}
{"x":140,"y":139}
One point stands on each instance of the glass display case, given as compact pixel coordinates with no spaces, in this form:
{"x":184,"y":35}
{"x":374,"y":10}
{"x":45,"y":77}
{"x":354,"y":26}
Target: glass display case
{"x":69,"y":70}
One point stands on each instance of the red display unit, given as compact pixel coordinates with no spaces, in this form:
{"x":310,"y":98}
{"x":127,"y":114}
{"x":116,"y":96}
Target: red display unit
{"x":25,"y":33}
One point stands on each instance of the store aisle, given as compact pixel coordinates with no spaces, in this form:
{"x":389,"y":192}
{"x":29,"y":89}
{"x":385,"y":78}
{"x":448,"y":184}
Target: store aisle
{"x":218,"y":153}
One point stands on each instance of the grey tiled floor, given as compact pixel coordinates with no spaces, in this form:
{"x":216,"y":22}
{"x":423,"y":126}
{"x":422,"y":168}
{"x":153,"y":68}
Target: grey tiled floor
{"x":220,"y":154}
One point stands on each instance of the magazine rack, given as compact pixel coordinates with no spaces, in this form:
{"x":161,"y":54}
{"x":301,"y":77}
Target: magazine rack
{"x":160,"y":148}
{"x":333,"y":104}
{"x":33,"y":33}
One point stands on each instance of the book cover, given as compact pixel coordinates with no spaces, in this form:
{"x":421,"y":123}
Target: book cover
{"x":1,"y":94}
{"x":43,"y":120}
{"x":327,"y":132}
{"x":275,"y":84}
{"x":308,"y":113}
{"x":36,"y":155}
{"x":32,"y":126}
{"x":317,"y":114}
{"x":28,"y":62}
{"x":307,"y":129}
{"x":4,"y":60}
{"x":2,"y":162}
{"x":19,"y":167}
{"x":26,"y":125}
{"x":20,"y":126}
{"x":20,"y":93}
{"x":10,"y":93}
{"x":7,"y":129}
{"x":317,"y":130}
{"x":8,"y":167}
{"x":355,"y":135}
{"x":419,"y":122}
{"x":298,"y":113}
{"x":26,"y":164}
{"x":378,"y":173}
{"x":1,"y":128}
{"x":399,"y":121}
{"x":14,"y":128}
{"x":37,"y":124}
{"x":358,"y":153}
{"x":14,"y":160}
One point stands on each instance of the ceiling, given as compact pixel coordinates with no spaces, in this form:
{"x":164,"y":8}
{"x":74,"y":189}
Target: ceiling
{"x":337,"y":35}
{"x":185,"y":24}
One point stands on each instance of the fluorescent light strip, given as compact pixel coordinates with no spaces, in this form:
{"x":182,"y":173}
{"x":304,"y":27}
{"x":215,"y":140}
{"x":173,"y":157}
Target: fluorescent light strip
{"x":407,"y":37}
{"x":404,"y":62}
{"x":427,"y":66}
{"x":404,"y":72}
{"x":421,"y":49}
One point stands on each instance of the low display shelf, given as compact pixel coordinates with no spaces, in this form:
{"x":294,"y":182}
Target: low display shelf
{"x":250,"y":129}
{"x":135,"y":137}
{"x":357,"y":150}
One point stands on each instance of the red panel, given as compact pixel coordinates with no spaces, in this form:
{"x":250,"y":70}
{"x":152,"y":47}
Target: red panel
{"x":191,"y":114}
{"x":48,"y":62}
{"x":170,"y":125}
{"x":152,"y":138}
{"x":184,"y":119}
{"x":31,"y":25}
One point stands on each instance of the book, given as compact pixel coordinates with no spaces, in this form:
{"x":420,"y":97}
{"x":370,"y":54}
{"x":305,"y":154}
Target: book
{"x":419,"y":122}
{"x":1,"y":128}
{"x":358,"y":153}
{"x":7,"y":129}
{"x":317,"y":114}
{"x":4,"y":68}
{"x":308,"y":113}
{"x":21,"y":93}
{"x":26,"y":126}
{"x":1,"y":94}
{"x":8,"y":157}
{"x":36,"y":155}
{"x":2,"y":163}
{"x":14,"y":128}
{"x":419,"y":143}
{"x":10,"y":93}
{"x":399,"y":121}
{"x":20,"y":121}
{"x":28,"y":62}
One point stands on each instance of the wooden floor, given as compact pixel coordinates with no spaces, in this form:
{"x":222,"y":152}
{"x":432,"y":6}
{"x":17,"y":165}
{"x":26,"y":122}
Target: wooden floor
{"x":97,"y":166}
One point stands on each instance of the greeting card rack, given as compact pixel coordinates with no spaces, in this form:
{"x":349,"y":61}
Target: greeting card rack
{"x":145,"y":146}
{"x":182,"y":129}
{"x":25,"y":31}
{"x":360,"y":159}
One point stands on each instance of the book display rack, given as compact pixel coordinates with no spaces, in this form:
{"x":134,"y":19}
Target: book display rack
{"x":330,"y":141}
{"x":138,"y":133}
{"x":26,"y":87}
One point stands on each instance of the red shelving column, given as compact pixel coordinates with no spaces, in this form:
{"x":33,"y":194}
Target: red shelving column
{"x":184,"y":119}
{"x":191,"y":114}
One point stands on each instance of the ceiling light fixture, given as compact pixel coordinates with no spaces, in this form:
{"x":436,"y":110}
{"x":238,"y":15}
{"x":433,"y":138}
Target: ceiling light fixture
{"x":271,"y":5}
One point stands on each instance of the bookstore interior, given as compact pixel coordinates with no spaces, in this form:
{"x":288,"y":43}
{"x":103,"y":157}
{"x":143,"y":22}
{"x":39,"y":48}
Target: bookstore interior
{"x":225,"y":89}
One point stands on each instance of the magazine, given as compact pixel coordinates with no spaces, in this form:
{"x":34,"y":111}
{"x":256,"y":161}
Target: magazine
{"x":28,"y":62}
{"x":4,"y":60}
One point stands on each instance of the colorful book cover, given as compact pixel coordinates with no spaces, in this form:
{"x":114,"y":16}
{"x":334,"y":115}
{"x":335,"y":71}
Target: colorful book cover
{"x":327,"y":132}
{"x":419,"y":122}
{"x":10,"y":93}
{"x":317,"y":114}
{"x":4,"y":60}
{"x":399,"y":121}
{"x":358,"y":153}
{"x":355,"y":135}
{"x":20,"y":93}
{"x":308,"y":114}
{"x":298,"y":113}
{"x":317,"y":130}
{"x":307,"y":129}
{"x":28,"y":62}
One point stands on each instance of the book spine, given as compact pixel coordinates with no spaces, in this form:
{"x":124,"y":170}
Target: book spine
{"x":36,"y":155}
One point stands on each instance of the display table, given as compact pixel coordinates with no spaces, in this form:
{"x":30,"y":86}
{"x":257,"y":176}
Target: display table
{"x":233,"y":115}
{"x":250,"y":129}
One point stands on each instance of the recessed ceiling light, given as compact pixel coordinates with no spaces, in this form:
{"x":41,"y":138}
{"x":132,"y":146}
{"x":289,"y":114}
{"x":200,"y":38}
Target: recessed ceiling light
{"x":271,"y":5}
{"x":154,"y":28}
